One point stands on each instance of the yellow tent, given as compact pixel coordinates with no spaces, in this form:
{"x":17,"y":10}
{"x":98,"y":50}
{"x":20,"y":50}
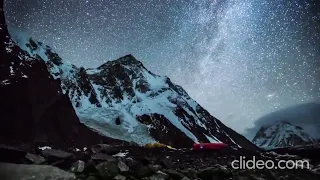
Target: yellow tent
{"x":157,"y":145}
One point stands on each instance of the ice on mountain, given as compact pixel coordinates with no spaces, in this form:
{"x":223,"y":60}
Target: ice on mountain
{"x":103,"y":121}
{"x":212,"y":139}
{"x":23,"y":39}
{"x":11,"y":70}
{"x":93,"y":71}
{"x":232,"y":140}
{"x":155,"y":82}
{"x":5,"y":82}
{"x":161,"y":105}
{"x":9,"y":50}
{"x":44,"y":147}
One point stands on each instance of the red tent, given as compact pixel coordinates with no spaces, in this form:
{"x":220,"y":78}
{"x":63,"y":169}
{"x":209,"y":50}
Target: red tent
{"x":207,"y":146}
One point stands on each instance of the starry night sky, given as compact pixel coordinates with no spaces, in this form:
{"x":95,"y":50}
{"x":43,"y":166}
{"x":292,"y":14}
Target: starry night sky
{"x":240,"y":59}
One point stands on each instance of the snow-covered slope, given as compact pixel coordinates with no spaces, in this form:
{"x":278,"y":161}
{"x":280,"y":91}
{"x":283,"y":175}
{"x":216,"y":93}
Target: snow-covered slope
{"x":280,"y":135}
{"x":150,"y":107}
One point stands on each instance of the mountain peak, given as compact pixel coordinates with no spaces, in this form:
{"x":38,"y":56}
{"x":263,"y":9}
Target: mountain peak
{"x":282,"y":134}
{"x":127,"y":60}
{"x":285,"y":122}
{"x":128,"y":56}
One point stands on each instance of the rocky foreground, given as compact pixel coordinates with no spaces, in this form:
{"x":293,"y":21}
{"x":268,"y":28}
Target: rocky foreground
{"x":134,"y":163}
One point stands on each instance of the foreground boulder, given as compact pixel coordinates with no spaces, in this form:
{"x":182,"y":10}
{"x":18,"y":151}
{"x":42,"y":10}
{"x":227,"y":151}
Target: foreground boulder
{"x":10,"y":171}
{"x":78,"y":166}
{"x":11,"y":154}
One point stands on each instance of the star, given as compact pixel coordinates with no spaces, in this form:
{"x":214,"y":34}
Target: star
{"x":245,"y":57}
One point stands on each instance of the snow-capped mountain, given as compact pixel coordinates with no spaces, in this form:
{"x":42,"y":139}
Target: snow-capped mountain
{"x":280,"y":135}
{"x":120,"y":99}
{"x":143,"y":98}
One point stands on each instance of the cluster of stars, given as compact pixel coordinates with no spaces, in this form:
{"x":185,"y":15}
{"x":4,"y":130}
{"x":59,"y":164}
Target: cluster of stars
{"x":240,"y":59}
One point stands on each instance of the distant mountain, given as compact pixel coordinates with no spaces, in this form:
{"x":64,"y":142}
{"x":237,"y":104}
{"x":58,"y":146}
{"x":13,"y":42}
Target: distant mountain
{"x":305,"y":115}
{"x":281,"y":135}
{"x":120,"y":99}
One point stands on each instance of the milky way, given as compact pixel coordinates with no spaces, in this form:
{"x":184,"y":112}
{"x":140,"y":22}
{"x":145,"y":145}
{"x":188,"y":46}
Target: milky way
{"x":240,"y":59}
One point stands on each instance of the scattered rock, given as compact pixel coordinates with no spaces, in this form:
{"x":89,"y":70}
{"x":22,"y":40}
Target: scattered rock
{"x":155,"y":177}
{"x":78,"y":166}
{"x":104,"y":148}
{"x":246,"y":178}
{"x":108,"y":169}
{"x":154,"y":168}
{"x":161,"y":175}
{"x":218,"y":171}
{"x":185,"y":178}
{"x":90,"y":167}
{"x":119,"y":177}
{"x":123,"y":167}
{"x":191,"y":173}
{"x":144,"y":171}
{"x":130,"y":177}
{"x":167,"y":163}
{"x":91,"y":178}
{"x":49,"y":153}
{"x":174,"y":174}
{"x":103,"y":157}
{"x":133,"y":164}
{"x":144,"y":160}
{"x":223,"y":171}
{"x":35,"y":159}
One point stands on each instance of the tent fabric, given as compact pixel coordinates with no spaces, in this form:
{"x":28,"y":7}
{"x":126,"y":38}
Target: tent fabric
{"x":207,"y":146}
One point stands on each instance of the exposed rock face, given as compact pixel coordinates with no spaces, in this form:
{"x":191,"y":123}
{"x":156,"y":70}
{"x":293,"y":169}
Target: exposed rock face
{"x":282,"y":134}
{"x":33,"y":108}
